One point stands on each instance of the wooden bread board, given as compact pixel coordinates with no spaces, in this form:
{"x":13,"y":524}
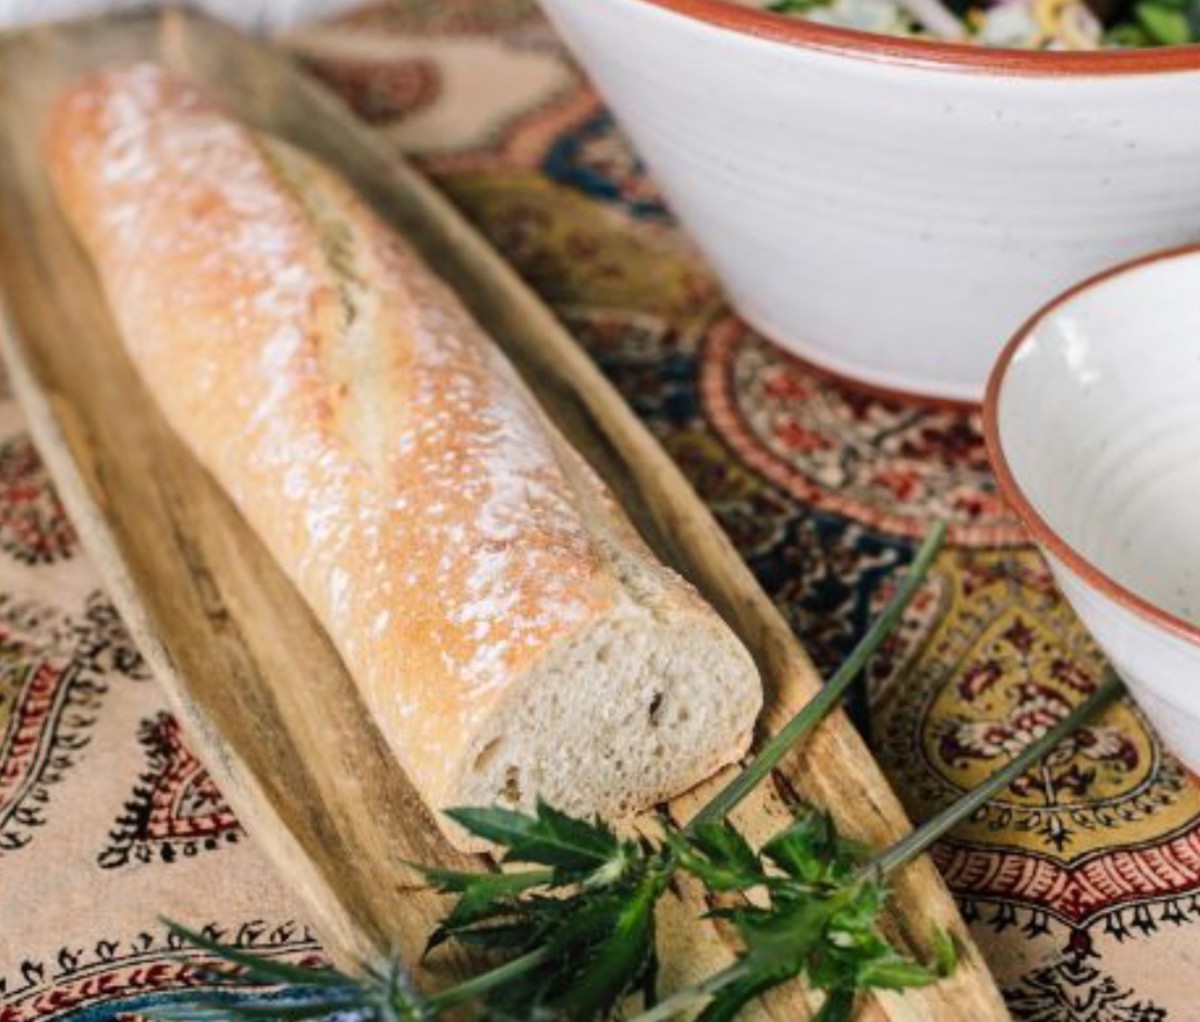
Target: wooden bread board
{"x":264,"y":698}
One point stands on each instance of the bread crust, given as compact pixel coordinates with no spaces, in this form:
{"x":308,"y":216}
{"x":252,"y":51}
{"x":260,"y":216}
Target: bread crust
{"x":391,"y":459}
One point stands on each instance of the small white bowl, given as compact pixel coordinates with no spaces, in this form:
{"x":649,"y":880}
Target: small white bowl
{"x":892,"y":208}
{"x":1092,"y":419}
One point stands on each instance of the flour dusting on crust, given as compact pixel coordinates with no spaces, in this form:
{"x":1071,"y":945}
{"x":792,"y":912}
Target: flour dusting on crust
{"x":445,"y":494}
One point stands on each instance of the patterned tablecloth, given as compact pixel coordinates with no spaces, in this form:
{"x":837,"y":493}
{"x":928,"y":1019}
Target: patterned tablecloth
{"x":1082,"y":884}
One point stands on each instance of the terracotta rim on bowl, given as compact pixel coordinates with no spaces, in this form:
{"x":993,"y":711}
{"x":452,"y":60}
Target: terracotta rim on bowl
{"x":753,"y":21}
{"x":1041,"y":530}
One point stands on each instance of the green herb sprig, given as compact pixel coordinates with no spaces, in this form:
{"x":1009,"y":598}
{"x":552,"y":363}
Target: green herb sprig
{"x":584,"y":923}
{"x":578,"y":929}
{"x":822,"y":920}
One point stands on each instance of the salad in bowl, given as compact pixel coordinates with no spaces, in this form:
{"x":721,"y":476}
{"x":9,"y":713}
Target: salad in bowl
{"x":1025,"y":24}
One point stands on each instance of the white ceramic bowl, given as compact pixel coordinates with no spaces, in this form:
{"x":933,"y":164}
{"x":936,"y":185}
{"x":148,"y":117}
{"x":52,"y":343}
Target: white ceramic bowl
{"x":1092,"y":420}
{"x":893,"y":209}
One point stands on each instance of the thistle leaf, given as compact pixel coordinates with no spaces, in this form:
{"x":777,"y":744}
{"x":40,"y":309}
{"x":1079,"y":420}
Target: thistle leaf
{"x":820,"y":925}
{"x":481,"y":894}
{"x":729,"y":1001}
{"x":504,"y":935}
{"x":621,"y":960}
{"x":549,"y":838}
{"x":720,"y":856}
{"x":812,"y":851}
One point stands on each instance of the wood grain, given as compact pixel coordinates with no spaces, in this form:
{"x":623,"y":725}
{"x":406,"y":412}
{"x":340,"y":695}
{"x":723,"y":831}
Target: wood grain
{"x":264,"y":697}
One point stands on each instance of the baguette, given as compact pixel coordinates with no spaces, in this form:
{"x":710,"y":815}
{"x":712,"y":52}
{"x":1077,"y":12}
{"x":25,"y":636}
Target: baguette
{"x":510,"y":633}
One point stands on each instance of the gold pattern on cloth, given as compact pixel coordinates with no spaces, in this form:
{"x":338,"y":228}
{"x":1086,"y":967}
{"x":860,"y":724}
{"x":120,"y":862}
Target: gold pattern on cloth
{"x":1081,"y":883}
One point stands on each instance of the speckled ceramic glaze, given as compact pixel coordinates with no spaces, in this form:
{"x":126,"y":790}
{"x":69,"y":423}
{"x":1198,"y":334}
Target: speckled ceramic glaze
{"x":1093,"y":425}
{"x":893,"y":209}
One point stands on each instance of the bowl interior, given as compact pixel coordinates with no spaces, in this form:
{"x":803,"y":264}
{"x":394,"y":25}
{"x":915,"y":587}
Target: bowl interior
{"x":1098,"y":418}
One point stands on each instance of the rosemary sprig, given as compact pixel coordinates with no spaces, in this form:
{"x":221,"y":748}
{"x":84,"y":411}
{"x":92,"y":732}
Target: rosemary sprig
{"x":578,"y":927}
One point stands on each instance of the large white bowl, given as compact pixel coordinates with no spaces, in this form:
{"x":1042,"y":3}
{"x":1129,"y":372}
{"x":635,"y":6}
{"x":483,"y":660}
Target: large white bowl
{"x":1092,"y":420}
{"x":893,"y":209}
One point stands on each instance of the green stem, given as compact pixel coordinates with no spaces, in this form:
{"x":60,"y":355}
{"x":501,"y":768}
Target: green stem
{"x":481,"y":984}
{"x":832,"y":692}
{"x":685,"y":998}
{"x":916,"y":842}
{"x":908,"y":848}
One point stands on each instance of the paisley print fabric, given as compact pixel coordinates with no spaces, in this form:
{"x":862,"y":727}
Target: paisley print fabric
{"x":1081,"y":882}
